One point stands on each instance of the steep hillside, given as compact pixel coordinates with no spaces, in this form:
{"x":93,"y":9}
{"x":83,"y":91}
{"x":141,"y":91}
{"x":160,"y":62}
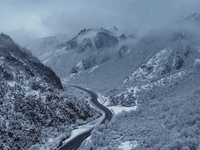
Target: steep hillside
{"x":163,"y":84}
{"x":171,"y":63}
{"x":34,"y":108}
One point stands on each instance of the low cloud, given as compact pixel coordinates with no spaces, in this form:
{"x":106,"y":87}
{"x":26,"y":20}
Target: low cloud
{"x":28,"y":20}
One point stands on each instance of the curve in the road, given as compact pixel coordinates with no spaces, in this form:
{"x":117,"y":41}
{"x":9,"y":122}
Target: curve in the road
{"x":76,"y":142}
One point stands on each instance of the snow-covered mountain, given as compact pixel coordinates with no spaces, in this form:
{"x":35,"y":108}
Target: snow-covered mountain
{"x":195,"y":18}
{"x":90,"y":38}
{"x":34,"y":108}
{"x":40,"y":46}
{"x":166,"y":49}
{"x":160,"y":75}
{"x":86,"y":50}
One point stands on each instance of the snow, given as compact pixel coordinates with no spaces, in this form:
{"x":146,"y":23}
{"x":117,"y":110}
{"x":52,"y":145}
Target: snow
{"x":156,"y":63}
{"x":46,"y":61}
{"x":50,"y":143}
{"x":61,"y":51}
{"x":11,"y":83}
{"x":132,"y":90}
{"x":45,"y":56}
{"x":171,"y":78}
{"x":118,"y":109}
{"x":115,"y":109}
{"x":68,"y":79}
{"x":87,"y":140}
{"x":128,"y":145}
{"x":135,"y":90}
{"x":80,"y":64}
{"x":93,"y":69}
{"x":84,"y":128}
{"x":196,"y":61}
{"x":103,"y":100}
{"x":38,"y":79}
{"x":32,"y":92}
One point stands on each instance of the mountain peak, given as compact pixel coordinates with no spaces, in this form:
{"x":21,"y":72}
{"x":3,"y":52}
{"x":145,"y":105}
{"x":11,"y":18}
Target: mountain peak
{"x":195,"y":17}
{"x":4,"y":36}
{"x":5,"y":39}
{"x":196,"y":14}
{"x":83,"y":31}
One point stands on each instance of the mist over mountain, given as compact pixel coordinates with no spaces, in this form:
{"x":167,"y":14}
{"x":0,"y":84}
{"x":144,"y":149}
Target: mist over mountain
{"x":40,"y":46}
{"x":88,"y":49}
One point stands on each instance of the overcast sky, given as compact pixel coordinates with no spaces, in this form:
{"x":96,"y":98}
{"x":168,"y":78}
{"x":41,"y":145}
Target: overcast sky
{"x":30,"y":19}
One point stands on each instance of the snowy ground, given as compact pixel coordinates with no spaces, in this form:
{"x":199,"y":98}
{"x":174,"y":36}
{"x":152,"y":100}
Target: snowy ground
{"x":114,"y":109}
{"x":119,"y":109}
{"x":128,"y":145}
{"x":84,"y":128}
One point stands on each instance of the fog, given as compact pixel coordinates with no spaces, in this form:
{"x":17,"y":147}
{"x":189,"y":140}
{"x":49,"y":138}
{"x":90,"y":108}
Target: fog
{"x":26,"y":20}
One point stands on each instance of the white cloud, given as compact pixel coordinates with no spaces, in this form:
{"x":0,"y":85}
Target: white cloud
{"x":28,"y":19}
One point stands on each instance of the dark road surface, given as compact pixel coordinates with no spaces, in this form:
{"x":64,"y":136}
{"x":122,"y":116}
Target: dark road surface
{"x":76,"y":142}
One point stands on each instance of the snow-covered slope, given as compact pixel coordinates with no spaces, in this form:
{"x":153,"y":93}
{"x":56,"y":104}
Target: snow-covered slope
{"x":40,"y":46}
{"x":88,"y":49}
{"x":34,"y":108}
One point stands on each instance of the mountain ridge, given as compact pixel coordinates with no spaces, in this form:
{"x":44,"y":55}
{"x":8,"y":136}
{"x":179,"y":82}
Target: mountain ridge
{"x":86,"y":50}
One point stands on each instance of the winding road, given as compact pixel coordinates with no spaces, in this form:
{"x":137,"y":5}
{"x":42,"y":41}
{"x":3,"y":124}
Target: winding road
{"x":76,"y":142}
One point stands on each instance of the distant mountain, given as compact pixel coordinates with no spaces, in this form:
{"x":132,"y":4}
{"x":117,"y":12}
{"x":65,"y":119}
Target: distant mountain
{"x":195,"y":18}
{"x":40,"y":46}
{"x":86,"y":50}
{"x":34,"y":108}
{"x":90,"y":38}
